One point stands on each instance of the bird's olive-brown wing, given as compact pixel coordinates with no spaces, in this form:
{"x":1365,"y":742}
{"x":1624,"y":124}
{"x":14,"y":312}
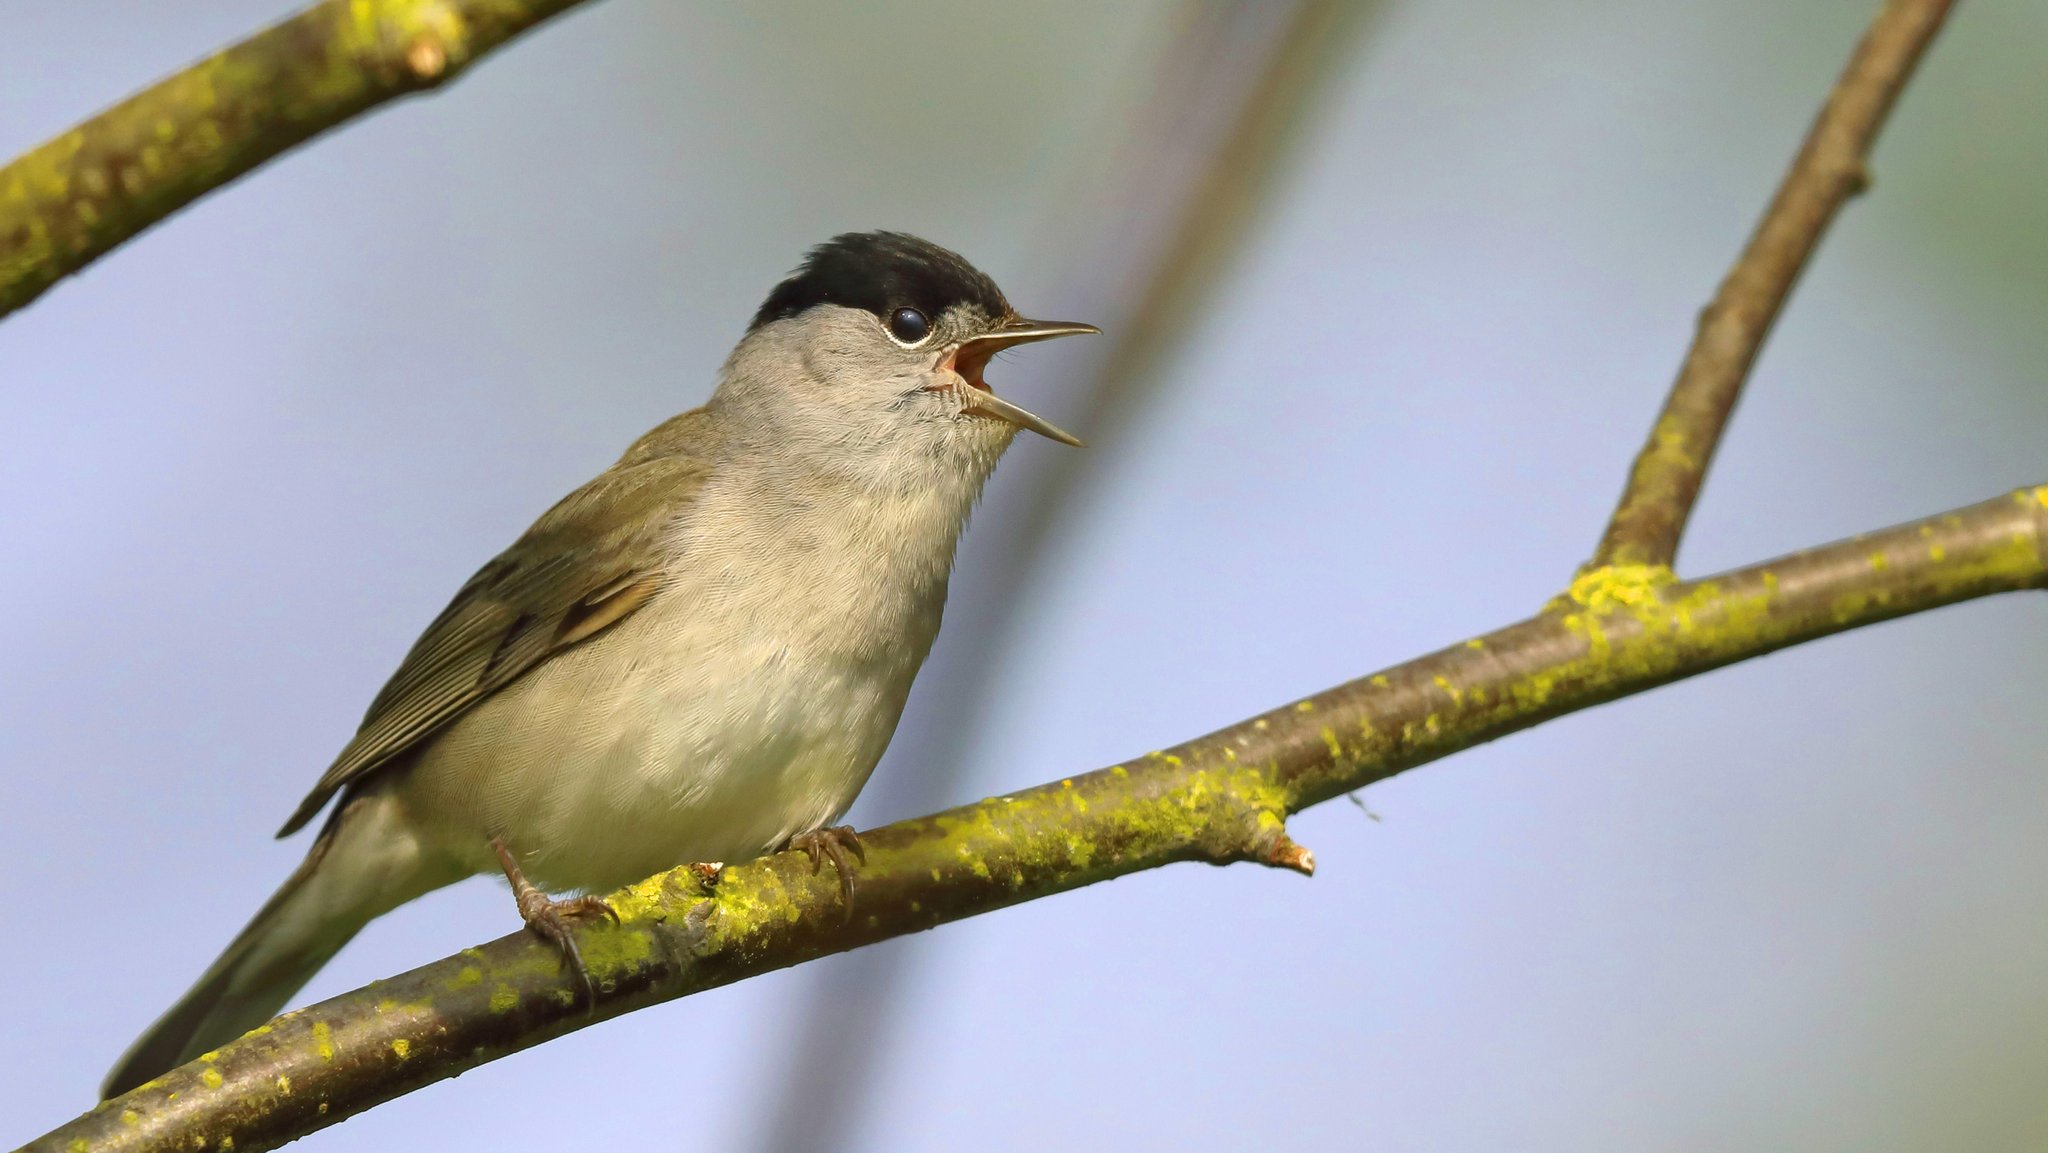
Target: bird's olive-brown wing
{"x":584,"y":566}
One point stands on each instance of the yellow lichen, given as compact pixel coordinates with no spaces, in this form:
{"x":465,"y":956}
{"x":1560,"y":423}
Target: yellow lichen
{"x":642,"y":900}
{"x":1671,"y":444}
{"x":1456,"y":694}
{"x":1609,"y":587}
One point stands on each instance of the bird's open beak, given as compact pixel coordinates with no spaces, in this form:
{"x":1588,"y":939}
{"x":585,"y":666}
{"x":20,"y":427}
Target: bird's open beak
{"x":973,"y":356}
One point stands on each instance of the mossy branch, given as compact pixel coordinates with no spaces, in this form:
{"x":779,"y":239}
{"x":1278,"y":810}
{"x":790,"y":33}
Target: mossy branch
{"x":73,"y":199}
{"x":1220,"y":798}
{"x":1830,"y":169}
{"x":1625,"y":625}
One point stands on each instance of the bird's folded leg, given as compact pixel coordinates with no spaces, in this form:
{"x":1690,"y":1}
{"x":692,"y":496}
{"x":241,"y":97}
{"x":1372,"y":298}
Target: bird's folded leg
{"x":833,"y":842}
{"x":550,"y":918}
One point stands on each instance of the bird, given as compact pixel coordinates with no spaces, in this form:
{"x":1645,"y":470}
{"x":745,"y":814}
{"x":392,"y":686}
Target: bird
{"x":698,"y":656}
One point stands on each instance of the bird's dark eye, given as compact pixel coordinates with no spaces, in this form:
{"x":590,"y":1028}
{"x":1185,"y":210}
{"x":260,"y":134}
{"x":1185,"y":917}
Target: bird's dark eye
{"x":909,"y":325}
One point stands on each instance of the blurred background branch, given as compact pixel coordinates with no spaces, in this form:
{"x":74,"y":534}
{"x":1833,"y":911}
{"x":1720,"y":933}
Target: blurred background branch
{"x":80,"y":195}
{"x":1144,"y":248}
{"x":1221,"y":798}
{"x":1746,"y":875}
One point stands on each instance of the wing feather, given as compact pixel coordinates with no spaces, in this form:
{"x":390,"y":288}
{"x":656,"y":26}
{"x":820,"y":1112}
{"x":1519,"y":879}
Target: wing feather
{"x":583,"y":567}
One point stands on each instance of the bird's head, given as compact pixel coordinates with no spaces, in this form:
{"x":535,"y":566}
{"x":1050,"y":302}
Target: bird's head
{"x":875,"y":348}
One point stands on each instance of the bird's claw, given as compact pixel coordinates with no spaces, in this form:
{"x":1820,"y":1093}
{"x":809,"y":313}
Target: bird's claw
{"x":833,"y":842}
{"x":549,"y":918}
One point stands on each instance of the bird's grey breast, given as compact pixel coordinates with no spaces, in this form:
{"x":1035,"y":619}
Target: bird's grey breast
{"x":748,"y":700}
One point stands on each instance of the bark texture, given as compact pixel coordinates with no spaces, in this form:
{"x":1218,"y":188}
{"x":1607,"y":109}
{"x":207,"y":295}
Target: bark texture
{"x":1626,"y":623}
{"x":75,"y":198}
{"x":1832,"y":167}
{"x":1221,"y":798}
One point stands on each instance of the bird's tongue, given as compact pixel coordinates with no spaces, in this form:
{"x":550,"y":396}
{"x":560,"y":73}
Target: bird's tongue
{"x":970,"y":367}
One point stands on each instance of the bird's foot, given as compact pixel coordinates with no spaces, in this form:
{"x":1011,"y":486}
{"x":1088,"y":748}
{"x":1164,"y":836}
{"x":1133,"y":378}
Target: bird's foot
{"x":833,"y":842}
{"x":550,"y":919}
{"x":707,"y":873}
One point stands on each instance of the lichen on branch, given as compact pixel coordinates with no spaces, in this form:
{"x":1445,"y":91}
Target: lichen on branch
{"x":1220,"y":798}
{"x":74,"y":198}
{"x":1830,"y":169}
{"x":1627,"y":623}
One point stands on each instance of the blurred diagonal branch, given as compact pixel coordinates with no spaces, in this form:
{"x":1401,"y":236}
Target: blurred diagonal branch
{"x":75,"y":198}
{"x":1220,"y":798}
{"x":1625,"y":625}
{"x":1829,"y":170}
{"x":1217,"y":128}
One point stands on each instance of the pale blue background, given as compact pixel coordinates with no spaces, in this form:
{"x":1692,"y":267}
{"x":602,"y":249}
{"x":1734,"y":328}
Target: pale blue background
{"x":1796,"y":904}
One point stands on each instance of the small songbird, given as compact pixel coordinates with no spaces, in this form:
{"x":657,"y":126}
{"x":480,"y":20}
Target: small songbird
{"x":697,"y":656}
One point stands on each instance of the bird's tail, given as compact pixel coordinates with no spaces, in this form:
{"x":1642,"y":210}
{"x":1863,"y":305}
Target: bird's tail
{"x":325,"y":902}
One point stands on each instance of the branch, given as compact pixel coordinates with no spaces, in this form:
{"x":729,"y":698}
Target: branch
{"x":1625,"y":625}
{"x":1220,"y":798}
{"x":75,"y":198}
{"x":1829,"y":169}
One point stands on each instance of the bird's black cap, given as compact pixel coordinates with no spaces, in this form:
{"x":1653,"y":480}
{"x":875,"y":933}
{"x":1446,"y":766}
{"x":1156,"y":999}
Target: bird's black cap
{"x":882,"y":272}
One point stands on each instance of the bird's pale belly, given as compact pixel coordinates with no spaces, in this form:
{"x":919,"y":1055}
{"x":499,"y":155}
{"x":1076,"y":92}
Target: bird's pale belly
{"x":639,"y":751}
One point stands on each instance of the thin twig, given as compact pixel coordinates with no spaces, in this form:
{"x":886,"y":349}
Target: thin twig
{"x":1831,"y":167}
{"x":1220,"y":798}
{"x":1619,"y":630}
{"x":75,"y":198}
